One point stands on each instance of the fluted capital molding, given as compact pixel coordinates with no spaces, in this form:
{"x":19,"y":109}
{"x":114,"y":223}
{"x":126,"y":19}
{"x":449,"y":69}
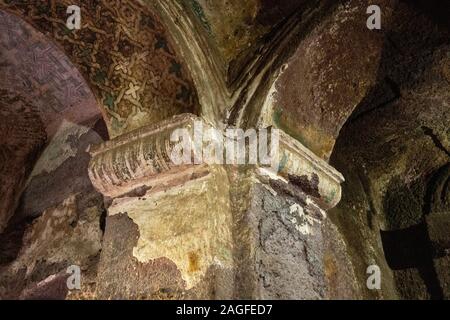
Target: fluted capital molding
{"x":141,"y":159}
{"x":298,"y":162}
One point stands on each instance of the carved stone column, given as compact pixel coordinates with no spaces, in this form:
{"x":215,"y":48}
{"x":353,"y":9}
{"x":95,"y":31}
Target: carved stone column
{"x":278,"y":225}
{"x":168,"y":227}
{"x":210,"y":231}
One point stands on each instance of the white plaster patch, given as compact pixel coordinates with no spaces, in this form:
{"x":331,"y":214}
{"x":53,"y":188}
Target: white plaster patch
{"x":189,"y":224}
{"x":303,"y":223}
{"x":268,"y":172}
{"x":51,"y":238}
{"x":310,"y":202}
{"x":266,"y":117}
{"x":59,"y":149}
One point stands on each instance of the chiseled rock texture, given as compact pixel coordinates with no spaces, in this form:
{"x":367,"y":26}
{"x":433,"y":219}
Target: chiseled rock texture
{"x":329,"y":74}
{"x":22,"y":135}
{"x":394,"y":153}
{"x":184,"y":230}
{"x":288,"y":248}
{"x":68,"y":234}
{"x":59,"y":222}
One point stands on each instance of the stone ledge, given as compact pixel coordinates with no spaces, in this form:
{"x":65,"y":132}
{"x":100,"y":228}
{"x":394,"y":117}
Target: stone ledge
{"x":299,"y":164}
{"x":135,"y":159}
{"x":142,"y":159}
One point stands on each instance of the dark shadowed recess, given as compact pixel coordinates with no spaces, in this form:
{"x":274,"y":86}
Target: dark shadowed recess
{"x":394,"y":154}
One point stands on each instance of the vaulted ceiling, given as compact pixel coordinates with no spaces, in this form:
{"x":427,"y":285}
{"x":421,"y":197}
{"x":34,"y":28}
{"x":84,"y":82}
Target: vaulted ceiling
{"x":122,"y":51}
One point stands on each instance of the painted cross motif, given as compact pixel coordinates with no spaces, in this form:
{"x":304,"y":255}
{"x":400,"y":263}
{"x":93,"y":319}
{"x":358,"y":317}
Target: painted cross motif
{"x":132,"y":91}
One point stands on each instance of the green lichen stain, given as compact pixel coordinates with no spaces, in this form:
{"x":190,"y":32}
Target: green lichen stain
{"x":329,"y":198}
{"x":277,"y":119}
{"x":198,"y":10}
{"x":161,"y":43}
{"x":109,"y":101}
{"x":43,"y":9}
{"x":116,"y":125}
{"x":100,"y":76}
{"x":66,"y":31}
{"x":184,"y":94}
{"x":283,"y":162}
{"x":175,"y":68}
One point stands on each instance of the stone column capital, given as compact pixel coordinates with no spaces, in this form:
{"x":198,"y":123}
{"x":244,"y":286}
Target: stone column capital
{"x":141,"y":160}
{"x":299,"y":165}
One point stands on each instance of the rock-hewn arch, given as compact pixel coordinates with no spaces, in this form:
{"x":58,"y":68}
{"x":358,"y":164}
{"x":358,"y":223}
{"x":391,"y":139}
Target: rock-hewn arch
{"x":42,"y":94}
{"x":50,"y":116}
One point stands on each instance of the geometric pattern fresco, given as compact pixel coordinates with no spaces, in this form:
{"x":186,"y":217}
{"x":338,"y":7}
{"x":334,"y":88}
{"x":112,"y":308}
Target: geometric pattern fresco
{"x":123,"y":52}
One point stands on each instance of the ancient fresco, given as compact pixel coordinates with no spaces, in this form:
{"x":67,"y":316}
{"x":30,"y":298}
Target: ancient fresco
{"x":123,"y":52}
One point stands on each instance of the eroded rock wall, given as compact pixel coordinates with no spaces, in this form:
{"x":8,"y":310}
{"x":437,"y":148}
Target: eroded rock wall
{"x":58,"y":223}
